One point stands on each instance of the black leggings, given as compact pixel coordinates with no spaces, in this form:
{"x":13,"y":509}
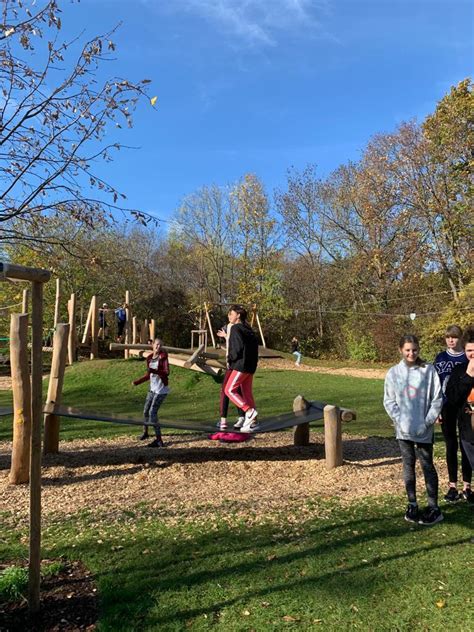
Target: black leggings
{"x":450,"y":433}
{"x":424,"y":452}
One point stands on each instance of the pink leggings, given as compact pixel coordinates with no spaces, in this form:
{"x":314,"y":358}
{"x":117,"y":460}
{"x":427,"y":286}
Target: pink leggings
{"x":239,"y":390}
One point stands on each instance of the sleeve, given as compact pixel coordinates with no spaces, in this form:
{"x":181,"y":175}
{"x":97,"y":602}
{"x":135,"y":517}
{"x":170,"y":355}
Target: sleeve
{"x":459,"y":387}
{"x":389,"y":398}
{"x":236,"y":345}
{"x":142,"y":379}
{"x":435,"y":398}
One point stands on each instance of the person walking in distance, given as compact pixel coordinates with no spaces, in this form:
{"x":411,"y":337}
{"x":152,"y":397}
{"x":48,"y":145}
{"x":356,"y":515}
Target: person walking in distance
{"x":295,"y":350}
{"x":413,"y":401}
{"x":242,"y":359}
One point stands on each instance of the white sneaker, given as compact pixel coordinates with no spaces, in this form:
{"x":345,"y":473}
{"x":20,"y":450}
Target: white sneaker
{"x":250,"y":426}
{"x":250,"y":415}
{"x":239,"y":423}
{"x":223,"y":425}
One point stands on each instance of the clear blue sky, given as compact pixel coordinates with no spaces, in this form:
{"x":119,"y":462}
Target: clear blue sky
{"x":261,"y":85}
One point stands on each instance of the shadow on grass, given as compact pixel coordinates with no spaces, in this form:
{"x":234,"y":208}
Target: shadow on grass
{"x":213,"y":571}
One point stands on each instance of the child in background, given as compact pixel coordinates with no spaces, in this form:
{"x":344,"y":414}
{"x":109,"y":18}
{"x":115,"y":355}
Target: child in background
{"x":460,"y":395}
{"x":444,"y":364}
{"x":413,"y":401}
{"x":157,"y":373}
{"x":295,"y":350}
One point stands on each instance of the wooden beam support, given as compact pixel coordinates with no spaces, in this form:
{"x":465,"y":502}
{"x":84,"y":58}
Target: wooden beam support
{"x":23,"y":273}
{"x":55,"y":388}
{"x":20,"y":372}
{"x":301,"y":434}
{"x":128,"y":324}
{"x":193,"y":358}
{"x":94,"y":329}
{"x":24,"y":306}
{"x":72,"y":341}
{"x":332,"y":437}
{"x":57,"y":303}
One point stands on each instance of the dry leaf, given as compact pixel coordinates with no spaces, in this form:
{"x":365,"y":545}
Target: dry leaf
{"x":153,"y":100}
{"x":441,"y":603}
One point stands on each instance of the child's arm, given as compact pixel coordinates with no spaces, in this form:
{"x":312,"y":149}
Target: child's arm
{"x":142,"y":379}
{"x":436,"y":399}
{"x":390,"y":400}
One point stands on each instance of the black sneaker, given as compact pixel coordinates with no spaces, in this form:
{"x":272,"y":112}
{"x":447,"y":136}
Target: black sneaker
{"x":412,"y":513}
{"x":157,"y":443}
{"x":431,"y":516}
{"x":452,"y":495}
{"x":144,"y":436}
{"x":468,"y":495}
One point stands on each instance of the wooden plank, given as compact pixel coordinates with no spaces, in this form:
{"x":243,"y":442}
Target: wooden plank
{"x":192,"y":359}
{"x":23,"y":273}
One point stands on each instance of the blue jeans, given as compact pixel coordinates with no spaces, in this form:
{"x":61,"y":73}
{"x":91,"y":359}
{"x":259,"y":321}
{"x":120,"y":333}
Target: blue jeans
{"x":297,"y":354}
{"x":150,"y":411}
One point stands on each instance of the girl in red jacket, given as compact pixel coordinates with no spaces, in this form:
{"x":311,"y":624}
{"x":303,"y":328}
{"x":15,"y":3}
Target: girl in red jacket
{"x":157,"y":374}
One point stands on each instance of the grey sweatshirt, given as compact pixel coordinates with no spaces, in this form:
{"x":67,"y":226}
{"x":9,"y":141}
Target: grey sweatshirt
{"x":413,"y":400}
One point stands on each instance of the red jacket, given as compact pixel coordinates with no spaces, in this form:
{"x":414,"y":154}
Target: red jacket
{"x":163,"y":369}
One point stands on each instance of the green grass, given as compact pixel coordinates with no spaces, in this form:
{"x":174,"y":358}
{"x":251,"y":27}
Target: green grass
{"x":360,"y":567}
{"x":105,"y":386}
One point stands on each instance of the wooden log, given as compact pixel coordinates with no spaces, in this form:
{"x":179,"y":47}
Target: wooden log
{"x":209,"y":324}
{"x":332,"y":436}
{"x":94,"y":329}
{"x":348,"y":415}
{"x":144,"y":332}
{"x":152,"y":329}
{"x":35,"y":446}
{"x":301,"y":434}
{"x":24,"y":306}
{"x":134,"y":331}
{"x":57,"y":303}
{"x":55,"y":388}
{"x":264,"y":344}
{"x":13,"y":271}
{"x":20,"y":464}
{"x":72,"y":341}
{"x":128,"y":323}
{"x":87,"y":328}
{"x":200,"y":368}
{"x":192,"y":359}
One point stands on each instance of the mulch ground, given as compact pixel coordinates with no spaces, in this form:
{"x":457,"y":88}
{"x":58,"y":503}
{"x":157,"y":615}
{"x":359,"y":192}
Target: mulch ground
{"x":69,"y":603}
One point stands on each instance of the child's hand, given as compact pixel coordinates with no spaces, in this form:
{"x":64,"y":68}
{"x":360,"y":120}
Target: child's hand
{"x":222,"y":334}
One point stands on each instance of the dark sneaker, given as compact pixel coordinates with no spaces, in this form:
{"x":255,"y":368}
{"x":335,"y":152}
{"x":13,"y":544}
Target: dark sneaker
{"x":157,"y":443}
{"x":468,"y":495}
{"x":412,"y":513}
{"x":144,"y":436}
{"x":452,"y":495}
{"x":431,"y":516}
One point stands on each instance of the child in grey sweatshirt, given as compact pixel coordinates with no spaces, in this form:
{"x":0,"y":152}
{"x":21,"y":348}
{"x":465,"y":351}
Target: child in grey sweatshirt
{"x":413,"y":400}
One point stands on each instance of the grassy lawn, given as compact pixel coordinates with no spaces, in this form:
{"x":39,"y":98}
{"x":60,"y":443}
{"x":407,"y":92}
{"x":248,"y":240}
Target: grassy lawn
{"x":328,"y":565}
{"x":360,"y":567}
{"x":105,"y":386}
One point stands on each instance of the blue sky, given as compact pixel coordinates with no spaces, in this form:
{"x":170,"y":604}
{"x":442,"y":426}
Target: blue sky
{"x":261,"y":85}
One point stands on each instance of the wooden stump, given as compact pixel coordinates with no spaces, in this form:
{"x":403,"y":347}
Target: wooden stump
{"x":301,"y":434}
{"x":332,"y":436}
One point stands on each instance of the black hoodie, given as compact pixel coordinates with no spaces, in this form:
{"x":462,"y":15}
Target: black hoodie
{"x":242,"y":354}
{"x":457,"y":390}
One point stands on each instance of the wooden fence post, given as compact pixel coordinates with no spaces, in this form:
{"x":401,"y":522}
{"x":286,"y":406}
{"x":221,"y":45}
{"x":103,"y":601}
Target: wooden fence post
{"x":144,"y":332}
{"x":55,"y":388}
{"x":301,"y":434}
{"x":57,"y":304}
{"x":24,"y":307}
{"x":134,"y":331}
{"x":71,"y":347}
{"x":34,"y":569}
{"x":332,"y":436}
{"x":94,"y":329}
{"x":128,"y":324}
{"x":20,"y":465}
{"x":87,"y":327}
{"x":152,"y":329}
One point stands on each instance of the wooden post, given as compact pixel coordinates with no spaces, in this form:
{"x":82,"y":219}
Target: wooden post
{"x":94,"y":329}
{"x":301,"y":434}
{"x":260,"y":330}
{"x":332,"y":436}
{"x":152,"y":329}
{"x":252,"y":319}
{"x":134,"y":331}
{"x":209,"y":324}
{"x":24,"y":307}
{"x":57,"y":304}
{"x":20,"y":465}
{"x":35,"y":445}
{"x":71,"y":347}
{"x":128,"y":324}
{"x":55,"y":388}
{"x":87,"y":327}
{"x":144,"y":331}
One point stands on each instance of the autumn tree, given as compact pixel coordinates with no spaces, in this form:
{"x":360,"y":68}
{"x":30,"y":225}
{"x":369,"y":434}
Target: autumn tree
{"x":54,"y":116}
